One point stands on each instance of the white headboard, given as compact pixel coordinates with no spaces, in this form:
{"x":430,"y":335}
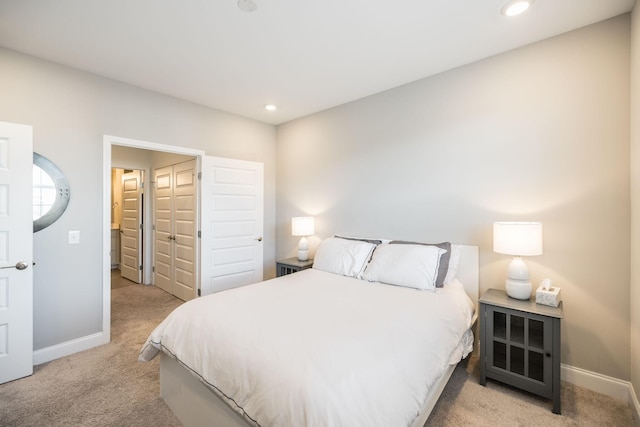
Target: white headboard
{"x":468,"y":272}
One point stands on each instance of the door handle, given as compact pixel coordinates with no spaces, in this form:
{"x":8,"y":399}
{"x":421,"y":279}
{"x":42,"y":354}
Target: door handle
{"x":20,"y":265}
{"x":259,"y":239}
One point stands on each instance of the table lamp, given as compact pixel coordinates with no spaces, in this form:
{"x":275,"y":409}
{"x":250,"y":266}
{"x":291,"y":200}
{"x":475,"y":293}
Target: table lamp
{"x":518,"y":239}
{"x":302,"y":226}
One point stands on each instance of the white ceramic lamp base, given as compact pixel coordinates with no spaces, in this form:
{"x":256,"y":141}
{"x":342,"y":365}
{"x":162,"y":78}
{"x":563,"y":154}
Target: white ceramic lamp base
{"x":303,"y":250}
{"x":518,"y":285}
{"x":518,"y":289}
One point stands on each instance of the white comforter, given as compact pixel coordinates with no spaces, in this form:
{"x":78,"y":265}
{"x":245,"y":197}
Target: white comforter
{"x":318,"y":349}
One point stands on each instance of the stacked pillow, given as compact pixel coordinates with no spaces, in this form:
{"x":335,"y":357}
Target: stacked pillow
{"x":347,"y":257}
{"x":409,"y":264}
{"x":443,"y":266}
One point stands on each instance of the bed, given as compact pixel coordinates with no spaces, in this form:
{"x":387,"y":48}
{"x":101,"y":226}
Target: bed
{"x":359,"y":339}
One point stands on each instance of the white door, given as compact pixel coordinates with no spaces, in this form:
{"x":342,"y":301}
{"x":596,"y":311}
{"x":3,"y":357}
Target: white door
{"x":175,"y":201}
{"x":232,"y":223}
{"x":163,"y":228}
{"x":184,"y":229}
{"x":16,"y":251}
{"x":131,"y":227}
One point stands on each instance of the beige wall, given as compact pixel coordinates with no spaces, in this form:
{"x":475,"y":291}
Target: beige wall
{"x":635,"y":199}
{"x":538,"y":133}
{"x":70,"y":111}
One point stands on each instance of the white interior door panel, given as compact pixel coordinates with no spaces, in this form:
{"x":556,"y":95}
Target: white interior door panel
{"x":16,"y":251}
{"x":175,"y":242}
{"x":130,"y":228}
{"x":232,"y":223}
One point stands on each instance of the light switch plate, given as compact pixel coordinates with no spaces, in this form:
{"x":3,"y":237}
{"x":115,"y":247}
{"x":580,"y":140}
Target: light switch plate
{"x":74,"y":237}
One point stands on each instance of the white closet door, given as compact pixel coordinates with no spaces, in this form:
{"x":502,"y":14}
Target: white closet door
{"x":232,"y":223}
{"x":163,"y":228}
{"x":130,"y":231}
{"x":16,"y":251}
{"x":175,"y":200}
{"x":184,"y":226}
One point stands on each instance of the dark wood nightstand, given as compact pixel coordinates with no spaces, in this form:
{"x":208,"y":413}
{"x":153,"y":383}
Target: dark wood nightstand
{"x":520,"y":344}
{"x":291,"y":265}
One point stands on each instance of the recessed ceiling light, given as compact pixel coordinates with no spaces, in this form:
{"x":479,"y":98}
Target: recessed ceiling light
{"x":516,"y":7}
{"x":270,"y":107}
{"x":247,"y":5}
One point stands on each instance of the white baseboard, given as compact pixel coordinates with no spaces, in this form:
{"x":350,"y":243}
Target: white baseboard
{"x":609,"y":386}
{"x":613,"y":387}
{"x":66,"y":348}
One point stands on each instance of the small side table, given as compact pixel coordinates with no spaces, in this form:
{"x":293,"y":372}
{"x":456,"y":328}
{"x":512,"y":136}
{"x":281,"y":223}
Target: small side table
{"x":291,"y":265}
{"x":520,"y":344}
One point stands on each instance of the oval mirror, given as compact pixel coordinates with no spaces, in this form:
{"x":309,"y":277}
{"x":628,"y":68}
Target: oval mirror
{"x":51,"y":192}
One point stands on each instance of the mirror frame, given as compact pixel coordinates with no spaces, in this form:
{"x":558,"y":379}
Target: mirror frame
{"x":63,"y":192}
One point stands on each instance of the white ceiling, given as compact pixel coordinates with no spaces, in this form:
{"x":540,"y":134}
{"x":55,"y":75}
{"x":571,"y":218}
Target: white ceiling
{"x":302,"y":55}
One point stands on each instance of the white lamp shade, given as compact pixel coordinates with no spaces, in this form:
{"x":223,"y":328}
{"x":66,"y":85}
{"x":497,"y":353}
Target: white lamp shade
{"x":302,"y":226}
{"x":517,"y":238}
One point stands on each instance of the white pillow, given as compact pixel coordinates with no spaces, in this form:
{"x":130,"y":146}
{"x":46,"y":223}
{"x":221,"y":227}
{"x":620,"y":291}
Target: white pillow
{"x":412,"y":266}
{"x":454,"y":262}
{"x":343,"y":256}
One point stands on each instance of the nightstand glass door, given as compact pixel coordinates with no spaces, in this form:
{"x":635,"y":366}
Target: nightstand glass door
{"x":520,"y":347}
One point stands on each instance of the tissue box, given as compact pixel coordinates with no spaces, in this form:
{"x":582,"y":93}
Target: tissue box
{"x":548,"y":297}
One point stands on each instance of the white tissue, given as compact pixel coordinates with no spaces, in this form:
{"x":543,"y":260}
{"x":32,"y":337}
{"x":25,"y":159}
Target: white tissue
{"x":548,"y":295}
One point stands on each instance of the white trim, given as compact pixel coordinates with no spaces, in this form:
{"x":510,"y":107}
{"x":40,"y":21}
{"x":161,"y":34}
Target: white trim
{"x":146,"y":145}
{"x":66,"y":348}
{"x":106,"y":237}
{"x":107,"y":142}
{"x":613,"y":387}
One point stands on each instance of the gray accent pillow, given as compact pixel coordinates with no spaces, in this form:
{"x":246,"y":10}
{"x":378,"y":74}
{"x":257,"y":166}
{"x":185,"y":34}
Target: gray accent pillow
{"x":374,"y":241}
{"x":444,"y":259}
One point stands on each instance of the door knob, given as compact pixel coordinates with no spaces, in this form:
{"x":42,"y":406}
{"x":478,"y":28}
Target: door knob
{"x":259,"y":239}
{"x":21,"y":265}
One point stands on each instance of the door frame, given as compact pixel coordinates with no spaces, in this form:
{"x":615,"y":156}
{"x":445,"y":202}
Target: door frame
{"x":107,"y":142}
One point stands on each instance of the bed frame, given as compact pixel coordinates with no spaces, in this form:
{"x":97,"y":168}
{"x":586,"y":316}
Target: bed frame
{"x":196,"y":405}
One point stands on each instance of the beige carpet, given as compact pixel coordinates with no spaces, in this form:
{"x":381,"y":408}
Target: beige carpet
{"x":464,"y":402}
{"x":107,"y":386}
{"x":117,"y":281}
{"x":104,"y":386}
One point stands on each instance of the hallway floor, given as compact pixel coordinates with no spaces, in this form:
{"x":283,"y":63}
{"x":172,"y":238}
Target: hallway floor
{"x":117,"y":281}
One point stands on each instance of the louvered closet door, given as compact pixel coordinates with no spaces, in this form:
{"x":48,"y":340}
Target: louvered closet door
{"x":175,"y":229}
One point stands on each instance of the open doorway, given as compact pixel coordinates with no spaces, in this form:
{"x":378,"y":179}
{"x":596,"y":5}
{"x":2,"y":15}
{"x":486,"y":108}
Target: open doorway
{"x":141,"y":201}
{"x":139,"y":158}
